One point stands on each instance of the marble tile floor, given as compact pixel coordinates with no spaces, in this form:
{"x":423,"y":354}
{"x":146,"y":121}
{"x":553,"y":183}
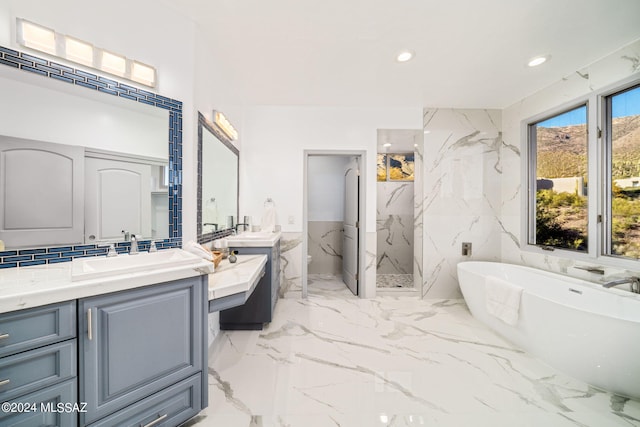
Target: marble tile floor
{"x":337,"y":360}
{"x":394,"y":281}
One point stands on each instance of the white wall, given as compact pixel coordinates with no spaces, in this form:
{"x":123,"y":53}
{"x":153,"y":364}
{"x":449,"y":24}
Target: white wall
{"x":273,"y":142}
{"x":271,"y":165}
{"x":326,"y":188}
{"x":613,"y":68}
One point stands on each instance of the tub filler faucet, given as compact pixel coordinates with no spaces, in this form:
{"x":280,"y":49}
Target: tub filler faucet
{"x":633,"y":280}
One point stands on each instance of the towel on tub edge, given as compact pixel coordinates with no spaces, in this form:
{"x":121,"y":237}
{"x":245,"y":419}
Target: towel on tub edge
{"x":502,"y":299}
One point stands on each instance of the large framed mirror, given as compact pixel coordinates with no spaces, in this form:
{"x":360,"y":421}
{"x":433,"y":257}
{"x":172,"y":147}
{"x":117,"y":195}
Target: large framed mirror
{"x":218,"y":176}
{"x":125,"y":146}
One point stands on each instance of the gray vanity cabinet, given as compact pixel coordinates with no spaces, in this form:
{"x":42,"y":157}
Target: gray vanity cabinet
{"x":142,"y":354}
{"x":259,"y":308}
{"x":38,"y":355}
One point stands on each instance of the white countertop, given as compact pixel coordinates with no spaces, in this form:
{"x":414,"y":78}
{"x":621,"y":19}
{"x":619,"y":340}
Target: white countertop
{"x":242,"y":276}
{"x":253,"y":240}
{"x":26,"y":287}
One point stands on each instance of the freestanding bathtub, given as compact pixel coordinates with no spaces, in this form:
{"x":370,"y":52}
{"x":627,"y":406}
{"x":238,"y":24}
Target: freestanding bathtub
{"x":577,"y":327}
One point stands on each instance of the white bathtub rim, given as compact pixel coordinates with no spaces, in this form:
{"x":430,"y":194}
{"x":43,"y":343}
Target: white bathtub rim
{"x":570,"y":281}
{"x":575,"y":280}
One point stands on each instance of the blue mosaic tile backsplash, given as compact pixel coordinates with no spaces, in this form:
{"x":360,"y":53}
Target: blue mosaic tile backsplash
{"x":40,"y":256}
{"x":46,"y":68}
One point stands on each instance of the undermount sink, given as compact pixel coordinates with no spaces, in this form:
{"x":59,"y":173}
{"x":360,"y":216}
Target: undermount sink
{"x":92,"y":268}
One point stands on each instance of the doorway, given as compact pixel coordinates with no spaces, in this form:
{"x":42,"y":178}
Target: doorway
{"x":398,"y":222}
{"x":333,"y":217}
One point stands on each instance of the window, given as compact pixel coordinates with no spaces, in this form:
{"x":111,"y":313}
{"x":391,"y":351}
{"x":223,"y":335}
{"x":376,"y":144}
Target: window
{"x":396,"y":167}
{"x":584,"y":177}
{"x":622,"y":125}
{"x":558,"y":147}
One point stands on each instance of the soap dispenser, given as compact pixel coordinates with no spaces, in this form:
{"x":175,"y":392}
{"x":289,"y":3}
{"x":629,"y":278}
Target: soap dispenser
{"x":233,"y":258}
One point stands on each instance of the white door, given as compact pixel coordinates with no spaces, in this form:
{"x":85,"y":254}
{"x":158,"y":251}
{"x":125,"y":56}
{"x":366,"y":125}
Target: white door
{"x":118,"y":197}
{"x":351,"y":226}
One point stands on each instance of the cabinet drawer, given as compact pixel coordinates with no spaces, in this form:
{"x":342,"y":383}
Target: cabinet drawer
{"x":45,"y":402}
{"x":36,"y":327}
{"x":35,"y":369}
{"x":169,"y":407}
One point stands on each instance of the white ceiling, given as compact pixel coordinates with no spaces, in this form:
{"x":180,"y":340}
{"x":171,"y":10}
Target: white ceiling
{"x":469,"y":53}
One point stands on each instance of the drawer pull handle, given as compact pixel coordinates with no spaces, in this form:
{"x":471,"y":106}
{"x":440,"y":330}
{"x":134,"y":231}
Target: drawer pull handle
{"x":89,"y":331}
{"x":5,"y":382}
{"x":4,"y":336}
{"x":156,"y":421}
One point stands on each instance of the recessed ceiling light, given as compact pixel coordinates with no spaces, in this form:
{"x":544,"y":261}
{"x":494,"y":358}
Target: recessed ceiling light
{"x":388,"y":144}
{"x":538,"y":60}
{"x":405,"y":55}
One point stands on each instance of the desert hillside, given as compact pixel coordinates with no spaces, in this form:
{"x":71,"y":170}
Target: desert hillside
{"x":562,"y":150}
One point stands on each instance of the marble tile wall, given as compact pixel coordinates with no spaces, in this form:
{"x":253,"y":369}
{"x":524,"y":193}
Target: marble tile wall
{"x":395,"y":227}
{"x":418,"y":199}
{"x":325,"y":247}
{"x":462,"y":193}
{"x":369,"y":285}
{"x":290,"y":263}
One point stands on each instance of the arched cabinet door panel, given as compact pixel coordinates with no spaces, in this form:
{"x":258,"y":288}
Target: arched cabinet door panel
{"x":41,"y":193}
{"x":118,"y":197}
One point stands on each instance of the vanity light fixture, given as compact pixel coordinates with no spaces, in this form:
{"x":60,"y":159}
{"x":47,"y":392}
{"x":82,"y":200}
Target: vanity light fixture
{"x":386,"y":145}
{"x":405,"y":55}
{"x":36,"y":37}
{"x":143,"y":73}
{"x":224,"y":125}
{"x":78,"y":51}
{"x":114,"y":64}
{"x":538,"y":60}
{"x":43,"y":39}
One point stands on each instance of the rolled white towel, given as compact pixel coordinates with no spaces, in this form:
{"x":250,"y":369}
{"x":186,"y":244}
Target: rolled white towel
{"x":197,"y":249}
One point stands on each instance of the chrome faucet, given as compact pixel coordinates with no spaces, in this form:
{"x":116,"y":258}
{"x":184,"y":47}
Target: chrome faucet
{"x":134,"y":245}
{"x":633,"y":280}
{"x":243,"y":226}
{"x":112,"y":251}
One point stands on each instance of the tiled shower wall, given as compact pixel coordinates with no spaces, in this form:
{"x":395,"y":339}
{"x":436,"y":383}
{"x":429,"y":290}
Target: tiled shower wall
{"x":395,"y":226}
